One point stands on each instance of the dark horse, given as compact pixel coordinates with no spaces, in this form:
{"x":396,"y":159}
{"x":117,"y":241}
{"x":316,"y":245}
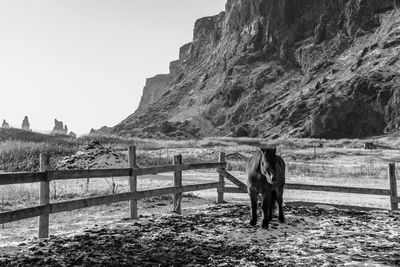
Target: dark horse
{"x":266,"y":176}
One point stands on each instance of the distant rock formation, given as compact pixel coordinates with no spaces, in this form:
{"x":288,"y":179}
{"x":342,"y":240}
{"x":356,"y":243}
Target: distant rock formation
{"x":59,"y":128}
{"x":102,"y":130}
{"x":25,"y":124}
{"x":5,"y":124}
{"x":72,"y":134}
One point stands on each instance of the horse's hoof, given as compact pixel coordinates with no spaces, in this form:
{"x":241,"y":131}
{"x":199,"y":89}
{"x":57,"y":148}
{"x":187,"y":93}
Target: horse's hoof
{"x":265,"y":224}
{"x":253,"y":222}
{"x":281,"y":219}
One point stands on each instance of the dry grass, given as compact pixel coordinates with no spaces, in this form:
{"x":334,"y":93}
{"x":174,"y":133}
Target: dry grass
{"x":322,"y":163}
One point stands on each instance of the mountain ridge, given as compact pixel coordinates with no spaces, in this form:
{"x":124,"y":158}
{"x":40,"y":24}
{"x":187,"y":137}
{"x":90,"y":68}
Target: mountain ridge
{"x":268,"y":68}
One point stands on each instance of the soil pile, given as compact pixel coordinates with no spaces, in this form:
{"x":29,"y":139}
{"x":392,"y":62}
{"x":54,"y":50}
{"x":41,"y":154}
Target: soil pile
{"x":220,"y":236}
{"x":93,"y":156}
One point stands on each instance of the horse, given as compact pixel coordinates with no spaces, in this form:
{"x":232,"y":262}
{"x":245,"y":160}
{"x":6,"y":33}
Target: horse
{"x":266,"y":176}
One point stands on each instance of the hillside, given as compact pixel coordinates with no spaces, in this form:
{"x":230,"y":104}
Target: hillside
{"x":268,"y":68}
{"x":30,"y":136}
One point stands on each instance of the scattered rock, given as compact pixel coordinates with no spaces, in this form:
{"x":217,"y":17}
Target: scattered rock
{"x":369,"y":145}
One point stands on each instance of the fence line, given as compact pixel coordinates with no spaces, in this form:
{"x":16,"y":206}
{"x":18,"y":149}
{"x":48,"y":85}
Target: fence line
{"x":44,"y":176}
{"x":391,"y":192}
{"x":45,"y":208}
{"x":70,"y":205}
{"x":24,"y":177}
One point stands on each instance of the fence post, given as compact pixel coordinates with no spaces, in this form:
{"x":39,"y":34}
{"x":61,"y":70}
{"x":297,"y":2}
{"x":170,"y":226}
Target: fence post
{"x":393,"y":186}
{"x":220,"y":189}
{"x":132,"y":182}
{"x":44,"y":196}
{"x":177,"y":183}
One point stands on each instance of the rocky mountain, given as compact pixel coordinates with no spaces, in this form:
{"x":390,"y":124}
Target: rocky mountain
{"x":277,"y":68}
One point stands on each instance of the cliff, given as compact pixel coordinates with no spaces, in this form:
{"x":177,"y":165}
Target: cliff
{"x":153,"y":90}
{"x":276,"y":68}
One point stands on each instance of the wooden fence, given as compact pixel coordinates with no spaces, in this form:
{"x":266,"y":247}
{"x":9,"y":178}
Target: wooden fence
{"x":45,"y":175}
{"x":391,"y":192}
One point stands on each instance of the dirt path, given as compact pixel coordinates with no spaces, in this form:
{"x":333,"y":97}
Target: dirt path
{"x":220,"y":236}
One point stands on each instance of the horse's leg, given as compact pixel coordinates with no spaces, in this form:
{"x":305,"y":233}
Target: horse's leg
{"x":266,"y":202}
{"x":253,"y":199}
{"x":279,"y":198}
{"x":272,"y":205}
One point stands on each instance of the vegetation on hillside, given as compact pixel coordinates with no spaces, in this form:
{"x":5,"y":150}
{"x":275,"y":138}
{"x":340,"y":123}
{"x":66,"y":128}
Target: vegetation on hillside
{"x":30,"y":136}
{"x":24,"y":156}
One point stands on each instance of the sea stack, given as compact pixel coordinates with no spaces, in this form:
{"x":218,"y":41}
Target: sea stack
{"x":25,"y":124}
{"x":5,"y":124}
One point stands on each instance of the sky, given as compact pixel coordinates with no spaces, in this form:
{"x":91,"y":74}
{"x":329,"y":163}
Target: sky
{"x":85,"y":62}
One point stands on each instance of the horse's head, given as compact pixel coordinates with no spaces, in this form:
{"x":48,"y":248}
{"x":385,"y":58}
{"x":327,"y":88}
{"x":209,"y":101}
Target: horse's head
{"x":267,"y":162}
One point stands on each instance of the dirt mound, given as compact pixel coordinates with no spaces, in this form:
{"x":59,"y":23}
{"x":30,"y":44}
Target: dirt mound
{"x":93,"y":156}
{"x":220,"y":236}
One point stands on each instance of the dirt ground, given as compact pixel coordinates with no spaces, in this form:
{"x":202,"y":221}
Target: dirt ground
{"x":11,"y":234}
{"x":219,"y":235}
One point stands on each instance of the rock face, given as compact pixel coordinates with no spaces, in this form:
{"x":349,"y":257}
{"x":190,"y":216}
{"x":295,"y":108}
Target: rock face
{"x":5,"y":124}
{"x":59,"y":128}
{"x":153,"y":90}
{"x":25,"y":124}
{"x":269,"y":68}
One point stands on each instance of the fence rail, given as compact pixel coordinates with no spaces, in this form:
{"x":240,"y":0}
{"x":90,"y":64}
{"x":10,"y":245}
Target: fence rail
{"x":391,"y":192}
{"x":22,"y":178}
{"x":26,"y":213}
{"x":337,"y":189}
{"x":26,"y":177}
{"x":45,"y":208}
